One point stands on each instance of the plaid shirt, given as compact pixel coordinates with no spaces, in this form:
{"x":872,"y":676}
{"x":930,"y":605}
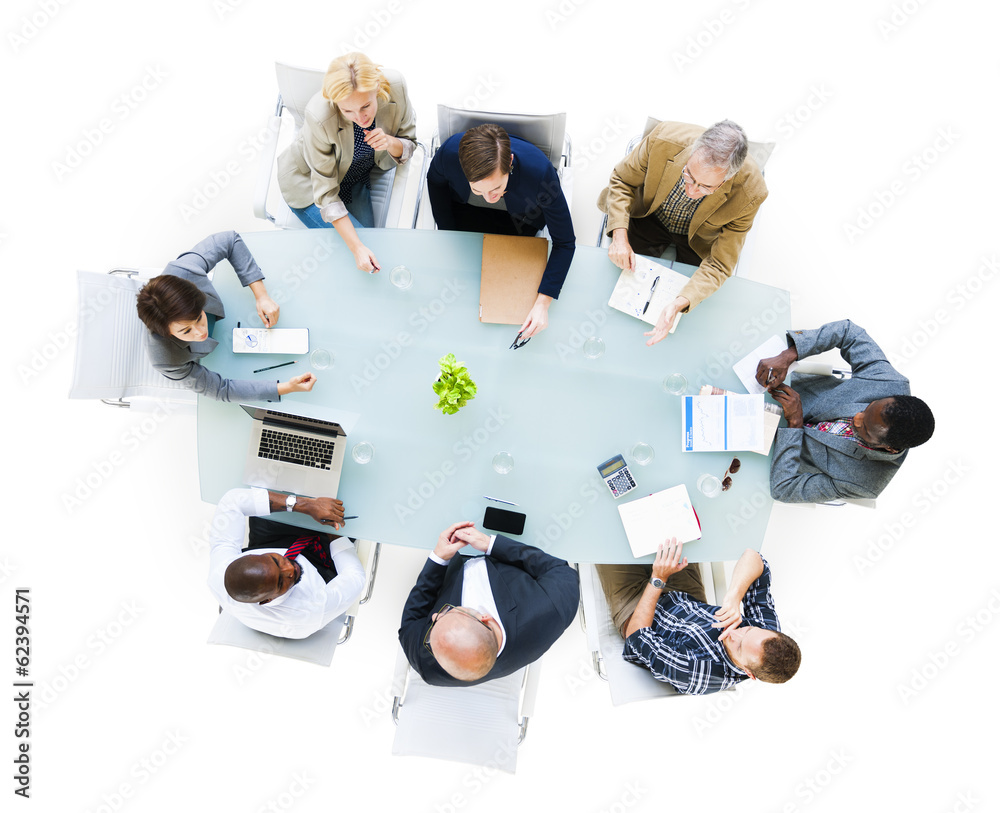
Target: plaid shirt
{"x":677,"y":210}
{"x":682,"y":648}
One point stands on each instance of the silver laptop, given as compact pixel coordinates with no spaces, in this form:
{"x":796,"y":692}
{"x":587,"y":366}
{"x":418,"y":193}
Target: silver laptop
{"x":294,"y":452}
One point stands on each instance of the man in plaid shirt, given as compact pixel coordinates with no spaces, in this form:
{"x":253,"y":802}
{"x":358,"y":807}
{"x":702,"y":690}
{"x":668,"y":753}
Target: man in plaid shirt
{"x":695,"y":647}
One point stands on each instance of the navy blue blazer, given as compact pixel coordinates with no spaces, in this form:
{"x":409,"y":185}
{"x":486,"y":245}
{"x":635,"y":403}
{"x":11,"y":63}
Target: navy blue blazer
{"x":536,"y":596}
{"x":814,"y":466}
{"x":534,"y":200}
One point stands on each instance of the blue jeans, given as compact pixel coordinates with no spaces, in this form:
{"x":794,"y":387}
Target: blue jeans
{"x":359,"y":210}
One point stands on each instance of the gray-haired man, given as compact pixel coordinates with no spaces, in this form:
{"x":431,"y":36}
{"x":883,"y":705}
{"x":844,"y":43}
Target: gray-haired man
{"x":685,"y":186}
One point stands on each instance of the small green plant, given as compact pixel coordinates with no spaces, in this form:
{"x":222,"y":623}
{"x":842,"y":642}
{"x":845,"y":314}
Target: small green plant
{"x":453,"y":387}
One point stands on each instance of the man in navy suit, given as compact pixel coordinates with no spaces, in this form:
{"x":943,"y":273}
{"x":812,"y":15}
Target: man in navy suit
{"x":487,"y":181}
{"x":844,"y":439}
{"x":472,"y":619}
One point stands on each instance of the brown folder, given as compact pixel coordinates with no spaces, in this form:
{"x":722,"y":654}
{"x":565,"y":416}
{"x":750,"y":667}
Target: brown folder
{"x":512,"y":270}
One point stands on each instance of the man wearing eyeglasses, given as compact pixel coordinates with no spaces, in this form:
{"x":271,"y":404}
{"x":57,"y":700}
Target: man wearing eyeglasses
{"x":472,"y":619}
{"x":689,"y":187}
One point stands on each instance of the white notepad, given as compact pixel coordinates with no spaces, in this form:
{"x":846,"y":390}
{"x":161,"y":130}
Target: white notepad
{"x":650,"y":521}
{"x":635,"y":288}
{"x":291,"y":340}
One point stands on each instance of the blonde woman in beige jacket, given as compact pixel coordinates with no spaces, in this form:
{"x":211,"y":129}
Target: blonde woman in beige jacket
{"x":362,"y":118}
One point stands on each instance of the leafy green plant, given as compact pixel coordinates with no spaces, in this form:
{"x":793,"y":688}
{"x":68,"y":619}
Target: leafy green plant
{"x":453,"y":387}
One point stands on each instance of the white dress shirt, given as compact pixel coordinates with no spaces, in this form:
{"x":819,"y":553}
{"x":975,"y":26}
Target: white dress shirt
{"x":310,"y":604}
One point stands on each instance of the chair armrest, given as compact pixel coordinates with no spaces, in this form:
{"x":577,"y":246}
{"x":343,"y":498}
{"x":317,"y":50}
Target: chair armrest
{"x":268,"y":151}
{"x":398,"y":687}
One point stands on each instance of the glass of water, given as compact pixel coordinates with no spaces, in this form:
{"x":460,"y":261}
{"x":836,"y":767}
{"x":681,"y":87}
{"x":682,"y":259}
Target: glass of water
{"x":503,"y":462}
{"x":401,"y":277}
{"x":363,"y":452}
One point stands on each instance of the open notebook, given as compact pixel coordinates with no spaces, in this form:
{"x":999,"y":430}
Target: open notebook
{"x":650,"y":521}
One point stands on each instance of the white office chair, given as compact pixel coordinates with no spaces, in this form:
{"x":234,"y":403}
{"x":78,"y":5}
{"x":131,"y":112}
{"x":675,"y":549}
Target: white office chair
{"x":111,"y":362}
{"x":319,"y":647}
{"x":480,"y":725}
{"x":628,"y":683}
{"x":761,"y":152}
{"x":395,"y":192}
{"x":547,"y":132}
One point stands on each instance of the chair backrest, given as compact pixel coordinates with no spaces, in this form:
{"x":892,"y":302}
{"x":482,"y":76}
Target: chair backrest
{"x":297,"y":86}
{"x":760,"y":150}
{"x":547,"y":132}
{"x":111,"y":360}
{"x":318,"y":648}
{"x":474,"y":724}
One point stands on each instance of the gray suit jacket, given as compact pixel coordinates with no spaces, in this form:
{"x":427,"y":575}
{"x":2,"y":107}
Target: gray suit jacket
{"x":178,"y":360}
{"x":814,"y":466}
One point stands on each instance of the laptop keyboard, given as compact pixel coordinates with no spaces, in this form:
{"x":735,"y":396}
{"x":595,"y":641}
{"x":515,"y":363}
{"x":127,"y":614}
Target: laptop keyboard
{"x":295,"y":449}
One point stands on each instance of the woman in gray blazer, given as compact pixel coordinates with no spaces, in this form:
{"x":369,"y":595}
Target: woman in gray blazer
{"x":180,"y":308}
{"x":361,"y":119}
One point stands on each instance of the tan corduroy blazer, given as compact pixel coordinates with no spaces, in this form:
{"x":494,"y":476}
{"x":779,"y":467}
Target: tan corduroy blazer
{"x":309,"y":171}
{"x":643,"y":179}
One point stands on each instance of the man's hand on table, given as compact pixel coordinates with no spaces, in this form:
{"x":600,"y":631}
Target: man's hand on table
{"x":666,"y":321}
{"x":668,"y":559}
{"x":474,"y":538}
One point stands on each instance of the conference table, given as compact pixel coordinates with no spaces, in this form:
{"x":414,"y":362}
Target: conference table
{"x":556,"y":411}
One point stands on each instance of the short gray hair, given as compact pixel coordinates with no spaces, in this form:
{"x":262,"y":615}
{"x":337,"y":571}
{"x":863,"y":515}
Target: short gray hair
{"x":723,"y":145}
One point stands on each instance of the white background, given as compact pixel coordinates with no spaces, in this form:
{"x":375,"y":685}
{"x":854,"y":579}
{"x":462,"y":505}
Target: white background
{"x":120,"y":610}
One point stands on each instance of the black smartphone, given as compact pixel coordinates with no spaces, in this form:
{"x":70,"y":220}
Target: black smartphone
{"x":506,"y":522}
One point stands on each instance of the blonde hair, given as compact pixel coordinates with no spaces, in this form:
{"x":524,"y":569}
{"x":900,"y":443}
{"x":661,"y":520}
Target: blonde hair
{"x":354,"y":72}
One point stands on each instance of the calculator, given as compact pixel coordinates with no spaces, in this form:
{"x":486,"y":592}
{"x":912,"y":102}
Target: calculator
{"x":617,"y":476}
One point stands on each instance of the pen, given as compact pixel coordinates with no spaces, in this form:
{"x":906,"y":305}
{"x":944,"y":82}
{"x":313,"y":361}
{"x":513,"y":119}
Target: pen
{"x":505,"y":502}
{"x":651,"y":291}
{"x":769,"y":369}
{"x":354,"y":517}
{"x":275,"y":366}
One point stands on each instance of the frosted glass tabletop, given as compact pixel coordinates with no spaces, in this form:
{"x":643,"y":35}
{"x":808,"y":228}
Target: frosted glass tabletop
{"x":557,"y":412}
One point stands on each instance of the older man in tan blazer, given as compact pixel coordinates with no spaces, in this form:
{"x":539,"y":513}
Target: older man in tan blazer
{"x":693,"y":188}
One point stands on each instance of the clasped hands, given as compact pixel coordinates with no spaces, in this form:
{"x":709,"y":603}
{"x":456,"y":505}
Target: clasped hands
{"x":457,"y":536}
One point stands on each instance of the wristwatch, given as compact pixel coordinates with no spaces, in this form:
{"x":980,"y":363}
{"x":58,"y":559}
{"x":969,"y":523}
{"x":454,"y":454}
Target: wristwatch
{"x":290,"y":502}
{"x":659,"y":584}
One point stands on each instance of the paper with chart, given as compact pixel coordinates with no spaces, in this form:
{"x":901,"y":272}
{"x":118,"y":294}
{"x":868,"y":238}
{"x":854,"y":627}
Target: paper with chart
{"x":652,"y":520}
{"x":633,"y":289}
{"x":722,"y":423}
{"x":772,"y":417}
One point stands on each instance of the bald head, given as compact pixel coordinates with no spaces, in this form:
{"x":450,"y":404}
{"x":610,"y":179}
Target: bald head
{"x":259,"y":578}
{"x":465,"y":648}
